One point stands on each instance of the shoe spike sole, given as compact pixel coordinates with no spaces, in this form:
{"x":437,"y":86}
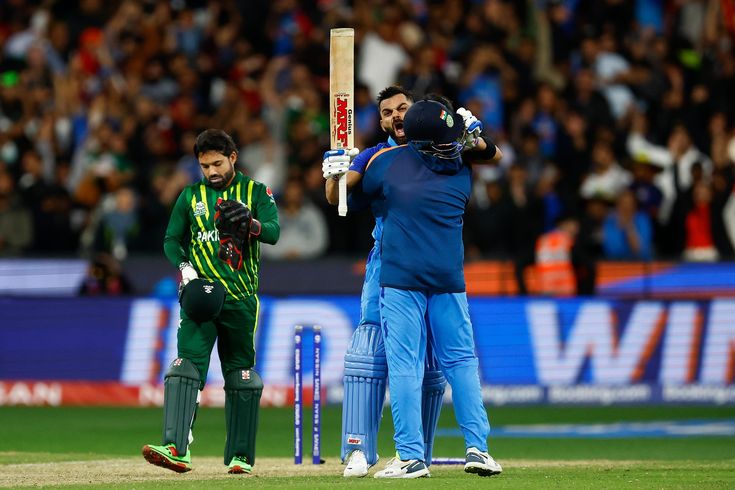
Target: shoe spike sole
{"x":158,"y":459}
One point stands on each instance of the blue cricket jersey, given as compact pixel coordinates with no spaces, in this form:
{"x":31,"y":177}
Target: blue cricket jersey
{"x":357,"y":201}
{"x":421,"y":200}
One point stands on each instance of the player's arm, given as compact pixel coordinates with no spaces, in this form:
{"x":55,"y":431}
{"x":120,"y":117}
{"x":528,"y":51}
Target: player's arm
{"x":178,"y":223}
{"x":265,"y":226}
{"x":175,"y":231}
{"x":375,"y":169}
{"x":332,"y":186}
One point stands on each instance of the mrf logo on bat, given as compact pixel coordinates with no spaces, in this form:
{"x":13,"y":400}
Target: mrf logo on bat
{"x":343,"y":118}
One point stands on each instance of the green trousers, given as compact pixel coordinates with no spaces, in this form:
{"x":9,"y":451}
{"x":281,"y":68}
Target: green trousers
{"x":234,"y":331}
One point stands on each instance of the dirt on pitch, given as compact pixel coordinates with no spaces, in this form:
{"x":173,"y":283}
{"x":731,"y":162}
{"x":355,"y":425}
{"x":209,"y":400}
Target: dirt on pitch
{"x":131,"y":470}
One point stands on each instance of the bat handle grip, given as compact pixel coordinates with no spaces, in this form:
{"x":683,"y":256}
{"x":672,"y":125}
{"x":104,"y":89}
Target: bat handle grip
{"x":342,"y":207}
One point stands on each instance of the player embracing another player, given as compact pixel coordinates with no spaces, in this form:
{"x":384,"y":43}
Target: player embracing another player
{"x":365,"y":360}
{"x":213,"y":237}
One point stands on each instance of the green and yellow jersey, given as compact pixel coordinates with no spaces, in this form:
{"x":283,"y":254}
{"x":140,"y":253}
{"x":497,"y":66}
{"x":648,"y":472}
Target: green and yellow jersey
{"x":193,"y":216}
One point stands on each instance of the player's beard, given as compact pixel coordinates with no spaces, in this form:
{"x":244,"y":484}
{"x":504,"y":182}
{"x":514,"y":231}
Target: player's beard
{"x":397,"y":132}
{"x":226,"y":179}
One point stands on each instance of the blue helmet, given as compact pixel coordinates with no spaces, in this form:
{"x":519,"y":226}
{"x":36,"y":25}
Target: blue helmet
{"x":433,"y":128}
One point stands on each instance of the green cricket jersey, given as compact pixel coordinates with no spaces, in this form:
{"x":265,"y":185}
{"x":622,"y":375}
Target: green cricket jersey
{"x":193,"y":215}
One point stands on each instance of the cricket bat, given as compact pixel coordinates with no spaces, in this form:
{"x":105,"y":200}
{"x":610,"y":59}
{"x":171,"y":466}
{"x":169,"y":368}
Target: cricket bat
{"x":342,"y":98}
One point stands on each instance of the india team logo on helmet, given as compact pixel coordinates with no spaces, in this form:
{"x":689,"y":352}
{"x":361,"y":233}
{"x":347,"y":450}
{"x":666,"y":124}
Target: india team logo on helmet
{"x":446,"y":117}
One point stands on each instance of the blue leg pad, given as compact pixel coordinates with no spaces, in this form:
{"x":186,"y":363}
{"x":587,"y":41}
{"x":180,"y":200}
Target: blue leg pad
{"x":366,"y":371}
{"x":431,"y":404}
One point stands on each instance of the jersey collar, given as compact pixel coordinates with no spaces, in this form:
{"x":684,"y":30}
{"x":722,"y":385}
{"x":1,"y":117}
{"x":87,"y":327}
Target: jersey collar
{"x":391,"y":141}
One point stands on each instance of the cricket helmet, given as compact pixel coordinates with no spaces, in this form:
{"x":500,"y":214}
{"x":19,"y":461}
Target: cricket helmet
{"x":431,"y":121}
{"x":202,"y":300}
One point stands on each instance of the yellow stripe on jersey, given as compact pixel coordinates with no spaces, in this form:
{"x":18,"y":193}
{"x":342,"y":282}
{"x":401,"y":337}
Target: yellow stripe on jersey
{"x":238,"y":195}
{"x":203,"y":192}
{"x":255,"y":327}
{"x":211,"y":249}
{"x":250,"y":206}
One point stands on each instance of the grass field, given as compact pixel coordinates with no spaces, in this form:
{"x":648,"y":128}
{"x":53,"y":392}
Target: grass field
{"x":100,"y":447}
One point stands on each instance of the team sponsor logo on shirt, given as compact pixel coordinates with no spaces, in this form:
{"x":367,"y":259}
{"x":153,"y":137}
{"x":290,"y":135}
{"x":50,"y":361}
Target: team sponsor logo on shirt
{"x":269,"y":192}
{"x":200,"y":209}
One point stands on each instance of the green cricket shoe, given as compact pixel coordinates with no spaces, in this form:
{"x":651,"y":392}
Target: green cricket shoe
{"x":167,"y":457}
{"x":238,"y":465}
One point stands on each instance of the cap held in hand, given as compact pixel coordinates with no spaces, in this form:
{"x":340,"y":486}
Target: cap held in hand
{"x":202,"y":300}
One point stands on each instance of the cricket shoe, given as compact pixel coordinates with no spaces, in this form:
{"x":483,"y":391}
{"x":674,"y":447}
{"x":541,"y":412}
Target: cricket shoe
{"x":357,"y":465}
{"x":481,"y":463}
{"x":167,"y":457}
{"x":239,"y":465}
{"x":397,"y":468}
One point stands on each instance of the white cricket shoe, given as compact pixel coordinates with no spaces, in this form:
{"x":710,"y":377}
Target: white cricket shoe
{"x":357,"y":465}
{"x":481,"y":463}
{"x":396,"y":468}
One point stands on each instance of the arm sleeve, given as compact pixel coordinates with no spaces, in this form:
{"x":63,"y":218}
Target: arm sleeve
{"x":266,"y":212}
{"x":177,"y":226}
{"x":360,"y":162}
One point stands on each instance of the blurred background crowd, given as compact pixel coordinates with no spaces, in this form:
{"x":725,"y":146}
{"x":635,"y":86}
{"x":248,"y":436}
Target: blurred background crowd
{"x":616,"y":118}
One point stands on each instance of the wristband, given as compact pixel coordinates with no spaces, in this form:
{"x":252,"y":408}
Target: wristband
{"x":255,"y":227}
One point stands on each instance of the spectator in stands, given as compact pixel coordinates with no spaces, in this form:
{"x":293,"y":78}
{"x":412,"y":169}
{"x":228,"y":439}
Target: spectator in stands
{"x":555,"y":274}
{"x":488,"y":223}
{"x":526,"y":218}
{"x":304,"y":233}
{"x":676,"y":158}
{"x":119,"y":88}
{"x":105,"y":278}
{"x":16,"y":225}
{"x":700,"y":244}
{"x":627,"y":232}
{"x":607,"y":178}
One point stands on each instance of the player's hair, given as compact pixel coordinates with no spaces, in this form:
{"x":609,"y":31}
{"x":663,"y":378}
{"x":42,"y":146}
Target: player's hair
{"x":441,"y":99}
{"x":392,"y":90}
{"x":214,"y":140}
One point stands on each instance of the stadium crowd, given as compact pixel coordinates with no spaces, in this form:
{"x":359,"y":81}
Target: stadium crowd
{"x":615,"y":115}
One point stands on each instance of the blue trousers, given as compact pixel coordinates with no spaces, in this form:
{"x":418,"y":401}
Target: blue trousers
{"x":408,"y":319}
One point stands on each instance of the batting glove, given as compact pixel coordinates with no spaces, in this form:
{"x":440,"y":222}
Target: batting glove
{"x":187,"y":273}
{"x":473,"y":128}
{"x":337,"y":162}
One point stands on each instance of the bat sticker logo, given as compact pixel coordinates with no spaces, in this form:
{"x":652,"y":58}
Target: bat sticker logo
{"x":343,"y":118}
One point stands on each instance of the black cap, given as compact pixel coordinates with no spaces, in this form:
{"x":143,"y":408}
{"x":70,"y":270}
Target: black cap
{"x":202,"y":300}
{"x":428,"y":120}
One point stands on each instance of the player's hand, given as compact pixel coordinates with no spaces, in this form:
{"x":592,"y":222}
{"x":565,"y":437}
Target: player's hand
{"x":473,"y":128}
{"x":187,"y":273}
{"x":230,"y":214}
{"x":337,"y":162}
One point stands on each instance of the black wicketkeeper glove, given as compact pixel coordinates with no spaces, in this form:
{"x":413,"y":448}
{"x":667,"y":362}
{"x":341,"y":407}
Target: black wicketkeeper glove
{"x":233,"y":221}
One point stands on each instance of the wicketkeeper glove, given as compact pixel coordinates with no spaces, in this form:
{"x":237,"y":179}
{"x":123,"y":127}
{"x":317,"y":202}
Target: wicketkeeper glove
{"x":337,"y":162}
{"x":473,"y":128}
{"x":233,"y":220}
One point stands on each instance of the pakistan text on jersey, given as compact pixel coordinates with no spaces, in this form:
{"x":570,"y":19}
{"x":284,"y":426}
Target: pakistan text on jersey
{"x":208,"y":236}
